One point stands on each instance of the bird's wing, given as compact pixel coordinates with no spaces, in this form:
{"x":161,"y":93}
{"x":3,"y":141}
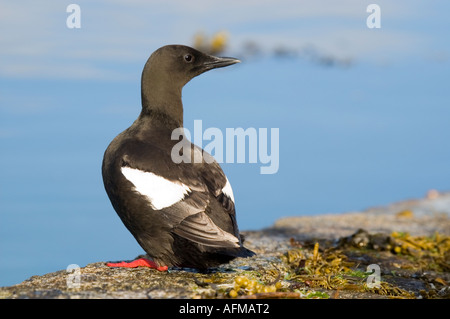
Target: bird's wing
{"x":218,"y":184}
{"x":201,"y":229}
{"x":182,"y":193}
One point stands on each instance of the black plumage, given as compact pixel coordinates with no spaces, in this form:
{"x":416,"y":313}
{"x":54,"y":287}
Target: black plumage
{"x":200,"y":229}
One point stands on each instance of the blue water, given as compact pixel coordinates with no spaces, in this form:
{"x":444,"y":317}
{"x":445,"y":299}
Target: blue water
{"x":350,"y":138}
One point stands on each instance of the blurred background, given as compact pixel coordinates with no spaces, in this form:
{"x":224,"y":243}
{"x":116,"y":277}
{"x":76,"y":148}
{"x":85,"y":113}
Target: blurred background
{"x":363,"y":113}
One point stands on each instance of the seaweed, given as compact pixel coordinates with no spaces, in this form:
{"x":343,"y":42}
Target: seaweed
{"x":312,"y":270}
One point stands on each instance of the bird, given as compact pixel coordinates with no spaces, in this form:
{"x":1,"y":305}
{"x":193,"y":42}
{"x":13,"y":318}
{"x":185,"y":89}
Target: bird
{"x":182,"y":213}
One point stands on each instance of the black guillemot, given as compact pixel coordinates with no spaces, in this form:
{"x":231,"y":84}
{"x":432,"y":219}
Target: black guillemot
{"x":181,"y":214}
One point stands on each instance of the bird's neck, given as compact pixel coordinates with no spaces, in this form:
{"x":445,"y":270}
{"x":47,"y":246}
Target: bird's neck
{"x":162,"y":101}
{"x":152,"y":119}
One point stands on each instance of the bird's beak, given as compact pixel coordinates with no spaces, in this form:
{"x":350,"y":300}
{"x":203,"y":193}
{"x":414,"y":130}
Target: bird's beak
{"x":213,"y":62}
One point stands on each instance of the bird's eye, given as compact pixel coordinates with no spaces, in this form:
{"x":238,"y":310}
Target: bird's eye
{"x":188,"y":58}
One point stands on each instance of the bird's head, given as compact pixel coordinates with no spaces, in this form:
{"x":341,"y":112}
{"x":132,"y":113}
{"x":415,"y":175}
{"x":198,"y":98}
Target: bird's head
{"x":168,"y":69}
{"x":181,"y":63}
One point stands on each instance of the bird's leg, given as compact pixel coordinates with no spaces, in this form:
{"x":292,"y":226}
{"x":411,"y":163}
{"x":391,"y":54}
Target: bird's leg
{"x":141,"y":262}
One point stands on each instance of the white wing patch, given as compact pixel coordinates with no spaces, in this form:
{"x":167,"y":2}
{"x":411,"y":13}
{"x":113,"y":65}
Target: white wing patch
{"x":160,"y":192}
{"x":227,"y":190}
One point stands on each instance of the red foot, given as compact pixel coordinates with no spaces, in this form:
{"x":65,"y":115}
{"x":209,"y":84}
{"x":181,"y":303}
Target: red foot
{"x":141,"y":262}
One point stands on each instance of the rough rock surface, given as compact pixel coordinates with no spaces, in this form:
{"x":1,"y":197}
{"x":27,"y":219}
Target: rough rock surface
{"x":416,"y":217}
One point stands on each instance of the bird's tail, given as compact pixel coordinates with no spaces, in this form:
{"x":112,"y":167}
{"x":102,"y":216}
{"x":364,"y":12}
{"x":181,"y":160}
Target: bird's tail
{"x":242,"y":251}
{"x":239,"y":252}
{"x":245,"y":252}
